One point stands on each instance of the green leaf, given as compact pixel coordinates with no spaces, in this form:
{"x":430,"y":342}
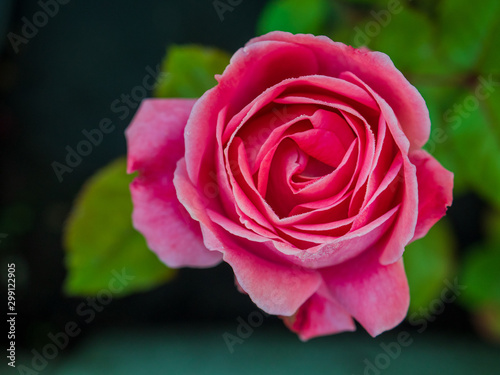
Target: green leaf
{"x":492,"y":227}
{"x":408,"y":37}
{"x":470,"y":32}
{"x":480,"y":269}
{"x":490,"y":59}
{"x":428,"y":262}
{"x":295,"y":16}
{"x":474,"y":127}
{"x":440,"y":98}
{"x":480,"y":274}
{"x":100,"y":240}
{"x":190,"y":71}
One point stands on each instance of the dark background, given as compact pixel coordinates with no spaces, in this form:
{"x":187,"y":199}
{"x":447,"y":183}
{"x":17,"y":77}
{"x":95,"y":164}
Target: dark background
{"x":62,"y":82}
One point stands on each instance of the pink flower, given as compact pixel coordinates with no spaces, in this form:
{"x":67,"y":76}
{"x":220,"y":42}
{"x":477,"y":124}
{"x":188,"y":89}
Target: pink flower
{"x":304,"y":170}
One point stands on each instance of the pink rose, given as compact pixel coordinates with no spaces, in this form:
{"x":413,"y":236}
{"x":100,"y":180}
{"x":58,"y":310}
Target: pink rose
{"x":304,"y":170}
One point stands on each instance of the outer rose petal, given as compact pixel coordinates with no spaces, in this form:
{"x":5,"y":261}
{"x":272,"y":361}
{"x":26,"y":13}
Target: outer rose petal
{"x":277,"y":289}
{"x":320,"y":315}
{"x":155,"y":144}
{"x":155,"y":137}
{"x":435,"y":191}
{"x":377,"y":296}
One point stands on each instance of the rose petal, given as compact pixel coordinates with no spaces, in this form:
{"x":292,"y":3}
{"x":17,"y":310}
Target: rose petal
{"x":377,"y":296}
{"x":276,"y":288}
{"x":155,"y":144}
{"x":435,"y":191}
{"x":322,"y":145}
{"x":263,"y":132}
{"x":384,"y":198}
{"x":155,"y":137}
{"x":167,"y":227}
{"x":253,"y":69}
{"x":320,"y":315}
{"x":403,"y":230}
{"x":250,"y":205}
{"x":199,"y":133}
{"x":349,"y":245}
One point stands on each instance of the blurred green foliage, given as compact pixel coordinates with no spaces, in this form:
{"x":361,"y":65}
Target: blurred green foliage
{"x":296,"y":16}
{"x":429,"y":261}
{"x":480,"y":274}
{"x":469,"y":33}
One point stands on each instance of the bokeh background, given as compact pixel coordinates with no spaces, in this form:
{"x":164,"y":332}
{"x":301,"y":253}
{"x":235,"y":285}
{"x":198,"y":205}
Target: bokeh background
{"x":61,"y":78}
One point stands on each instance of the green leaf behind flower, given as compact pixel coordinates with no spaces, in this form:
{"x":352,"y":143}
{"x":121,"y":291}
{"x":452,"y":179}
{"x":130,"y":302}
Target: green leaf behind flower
{"x":480,"y":270}
{"x":480,"y":274}
{"x":475,"y":133}
{"x":429,"y":261}
{"x":100,"y":240}
{"x":440,"y":99}
{"x":190,"y":71}
{"x":295,"y":16}
{"x":470,"y":32}
{"x":409,"y":38}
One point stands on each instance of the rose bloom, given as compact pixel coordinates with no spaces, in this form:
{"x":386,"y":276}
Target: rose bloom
{"x":303,"y":169}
